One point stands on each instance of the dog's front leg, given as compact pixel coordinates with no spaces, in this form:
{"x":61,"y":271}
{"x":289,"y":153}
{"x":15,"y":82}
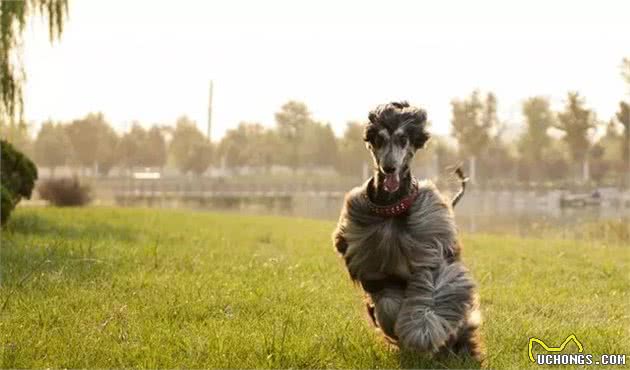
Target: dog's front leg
{"x":339,"y":242}
{"x":436,"y":304}
{"x":341,"y":246}
{"x":386,"y":293}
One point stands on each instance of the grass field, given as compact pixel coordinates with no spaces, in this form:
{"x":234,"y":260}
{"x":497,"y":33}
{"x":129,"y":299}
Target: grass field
{"x":108,"y":287}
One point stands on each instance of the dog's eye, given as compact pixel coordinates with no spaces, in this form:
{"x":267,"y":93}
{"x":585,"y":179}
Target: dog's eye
{"x":402,"y":140}
{"x":377,"y":141}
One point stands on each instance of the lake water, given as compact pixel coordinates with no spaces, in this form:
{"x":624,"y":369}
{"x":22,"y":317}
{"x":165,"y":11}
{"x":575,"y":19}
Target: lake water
{"x":514,"y":212}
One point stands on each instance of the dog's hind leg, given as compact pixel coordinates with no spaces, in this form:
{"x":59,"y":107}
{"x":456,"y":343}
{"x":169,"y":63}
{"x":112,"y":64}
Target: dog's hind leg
{"x":467,"y":341}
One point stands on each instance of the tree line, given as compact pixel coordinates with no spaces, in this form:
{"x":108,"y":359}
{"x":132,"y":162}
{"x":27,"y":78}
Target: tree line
{"x":91,"y":144}
{"x":298,"y":141}
{"x":553,"y":145}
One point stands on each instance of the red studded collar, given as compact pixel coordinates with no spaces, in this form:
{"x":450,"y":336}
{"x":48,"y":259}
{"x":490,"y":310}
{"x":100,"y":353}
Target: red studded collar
{"x":397,"y":208}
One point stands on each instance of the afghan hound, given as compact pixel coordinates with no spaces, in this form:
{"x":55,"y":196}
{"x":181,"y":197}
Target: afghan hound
{"x":398,"y":239}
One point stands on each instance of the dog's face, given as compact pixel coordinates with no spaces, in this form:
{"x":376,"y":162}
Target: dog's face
{"x":393,"y":135}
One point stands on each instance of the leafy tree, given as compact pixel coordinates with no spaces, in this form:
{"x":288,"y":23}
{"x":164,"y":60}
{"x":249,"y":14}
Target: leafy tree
{"x":474,"y":122}
{"x":446,"y":155}
{"x":6,"y":204}
{"x":191,"y":150}
{"x":623,"y":116}
{"x":131,"y":147}
{"x":557,"y":163}
{"x":534,"y":143}
{"x":52,"y":146}
{"x":268,"y":148}
{"x":327,"y":146}
{"x":17,"y":134}
{"x":13,"y":16}
{"x":598,"y":165}
{"x":305,"y":141}
{"x":320,"y":149}
{"x":625,"y":69}
{"x":200,"y":157}
{"x":249,"y":144}
{"x":576,"y":121}
{"x":612,"y":141}
{"x":155,"y":146}
{"x":498,"y":161}
{"x":142,"y":148}
{"x":17,"y":178}
{"x":352,"y":152}
{"x":292,"y":120}
{"x":467,"y":125}
{"x":93,"y":141}
{"x":235,"y":145}
{"x":106,"y":155}
{"x":489,"y":118}
{"x":539,"y":119}
{"x":84,"y":139}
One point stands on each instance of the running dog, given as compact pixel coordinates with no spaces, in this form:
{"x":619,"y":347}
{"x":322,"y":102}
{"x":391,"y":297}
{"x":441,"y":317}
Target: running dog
{"x":398,"y":239}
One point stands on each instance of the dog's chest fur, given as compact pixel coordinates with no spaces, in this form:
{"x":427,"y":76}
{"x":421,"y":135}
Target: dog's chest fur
{"x":379,"y":246}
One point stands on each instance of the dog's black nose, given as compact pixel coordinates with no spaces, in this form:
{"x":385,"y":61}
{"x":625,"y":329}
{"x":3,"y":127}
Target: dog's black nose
{"x":389,"y":169}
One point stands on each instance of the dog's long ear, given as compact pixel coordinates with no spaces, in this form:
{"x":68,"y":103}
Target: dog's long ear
{"x":369,"y":132}
{"x":417,"y":127}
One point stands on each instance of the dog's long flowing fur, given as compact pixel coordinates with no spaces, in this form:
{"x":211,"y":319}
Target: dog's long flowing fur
{"x":419,"y":293}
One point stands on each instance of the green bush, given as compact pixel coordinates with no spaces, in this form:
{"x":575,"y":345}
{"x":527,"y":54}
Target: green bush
{"x":17,"y":178}
{"x":6,"y":204}
{"x":66,"y":192}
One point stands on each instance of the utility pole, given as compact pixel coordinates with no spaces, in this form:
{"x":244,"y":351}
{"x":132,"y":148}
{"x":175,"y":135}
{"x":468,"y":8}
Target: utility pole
{"x":210,"y":112}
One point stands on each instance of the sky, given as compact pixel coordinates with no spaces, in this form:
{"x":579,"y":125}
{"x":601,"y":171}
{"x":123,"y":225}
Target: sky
{"x":151,"y":61}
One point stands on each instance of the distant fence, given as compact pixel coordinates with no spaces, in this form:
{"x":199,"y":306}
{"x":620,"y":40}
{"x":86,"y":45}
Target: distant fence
{"x":516,"y":210}
{"x":178,"y":185}
{"x":324,"y":201}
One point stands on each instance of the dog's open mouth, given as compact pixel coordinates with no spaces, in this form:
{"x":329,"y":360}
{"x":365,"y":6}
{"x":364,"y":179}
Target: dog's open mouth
{"x":391,"y":182}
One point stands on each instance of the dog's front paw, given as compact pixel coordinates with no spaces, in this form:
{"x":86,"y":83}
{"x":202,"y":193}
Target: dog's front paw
{"x":340,"y":243}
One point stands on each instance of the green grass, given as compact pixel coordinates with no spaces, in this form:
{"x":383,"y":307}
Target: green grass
{"x":110,"y":287}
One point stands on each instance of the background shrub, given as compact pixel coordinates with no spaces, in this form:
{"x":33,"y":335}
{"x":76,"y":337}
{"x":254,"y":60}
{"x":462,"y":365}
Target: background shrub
{"x":6,"y":203}
{"x":66,"y":192}
{"x":17,"y":178}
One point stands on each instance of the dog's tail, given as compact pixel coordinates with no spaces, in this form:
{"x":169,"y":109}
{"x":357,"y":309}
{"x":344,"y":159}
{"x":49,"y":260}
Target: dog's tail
{"x":463,"y":180}
{"x":435,"y":308}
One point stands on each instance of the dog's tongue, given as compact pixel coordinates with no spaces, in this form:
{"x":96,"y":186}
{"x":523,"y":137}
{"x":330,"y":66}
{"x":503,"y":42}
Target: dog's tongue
{"x":391,"y":182}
